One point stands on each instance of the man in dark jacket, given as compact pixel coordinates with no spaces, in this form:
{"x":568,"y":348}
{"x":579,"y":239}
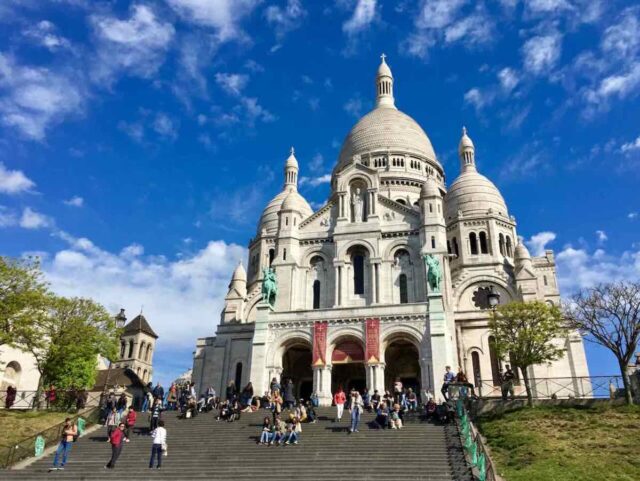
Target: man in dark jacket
{"x":289,"y":398}
{"x":158,"y":392}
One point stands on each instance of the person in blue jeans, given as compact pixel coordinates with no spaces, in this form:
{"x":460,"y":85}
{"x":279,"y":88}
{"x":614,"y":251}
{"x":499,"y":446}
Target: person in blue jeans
{"x":357,"y":406}
{"x":69,"y":432}
{"x":159,"y":442}
{"x":266,"y":436}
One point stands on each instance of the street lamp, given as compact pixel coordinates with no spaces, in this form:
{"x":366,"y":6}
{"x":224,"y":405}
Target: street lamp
{"x":493,"y":297}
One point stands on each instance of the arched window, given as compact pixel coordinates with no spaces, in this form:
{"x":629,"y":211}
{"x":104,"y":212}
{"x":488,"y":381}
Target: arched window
{"x":144,"y":375}
{"x":316,"y":294}
{"x":358,"y":273}
{"x":495,"y":362}
{"x":401,"y":201}
{"x":448,"y":247}
{"x":544,"y":279}
{"x":475,"y":362}
{"x":272,"y":255}
{"x":148,"y":356}
{"x":433,"y":242}
{"x":286,"y":220}
{"x":12,"y":375}
{"x":501,"y":244}
{"x":123,"y":349}
{"x":455,"y":247}
{"x":130,"y":349}
{"x":404,"y":295}
{"x":141,"y":351}
{"x":138,"y":371}
{"x":430,"y":208}
{"x":473,"y":243}
{"x":284,"y":254}
{"x":509,"y":247}
{"x":484,"y":246}
{"x":238,"y":378}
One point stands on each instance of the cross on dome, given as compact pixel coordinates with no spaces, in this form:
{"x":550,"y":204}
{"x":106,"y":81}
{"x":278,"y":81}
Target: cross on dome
{"x":383,"y":56}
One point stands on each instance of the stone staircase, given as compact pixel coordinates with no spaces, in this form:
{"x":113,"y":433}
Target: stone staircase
{"x":202,"y":448}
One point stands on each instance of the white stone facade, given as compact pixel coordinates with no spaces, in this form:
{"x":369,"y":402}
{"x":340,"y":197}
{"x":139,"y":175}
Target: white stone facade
{"x":359,"y":257}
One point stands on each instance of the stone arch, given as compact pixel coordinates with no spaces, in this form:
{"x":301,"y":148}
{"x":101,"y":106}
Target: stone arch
{"x":148,"y":354}
{"x":141,"y":350}
{"x":365,"y":243}
{"x":280,"y":345}
{"x":11,"y":376}
{"x":402,"y":332}
{"x":349,"y":372}
{"x":397,"y":244}
{"x":402,"y":353}
{"x":358,"y":176}
{"x":251,"y":308}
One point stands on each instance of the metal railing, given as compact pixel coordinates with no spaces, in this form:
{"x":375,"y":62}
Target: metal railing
{"x":64,"y":400}
{"x":588,"y":387}
{"x":26,"y":448}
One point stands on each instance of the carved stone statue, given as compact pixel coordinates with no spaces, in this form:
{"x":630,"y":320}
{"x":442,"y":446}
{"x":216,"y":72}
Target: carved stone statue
{"x":434,"y":273}
{"x":269,"y":286}
{"x":357,"y":203}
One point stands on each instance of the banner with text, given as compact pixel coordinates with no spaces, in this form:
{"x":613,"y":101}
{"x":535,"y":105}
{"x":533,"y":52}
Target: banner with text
{"x":319,"y":343}
{"x":372,"y":340}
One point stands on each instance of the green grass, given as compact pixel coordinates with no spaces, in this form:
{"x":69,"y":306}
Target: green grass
{"x":17,"y":425}
{"x":566,"y":443}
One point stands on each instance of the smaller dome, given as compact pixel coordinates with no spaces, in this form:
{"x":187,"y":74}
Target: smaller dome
{"x":430,"y":188}
{"x":473,"y":194}
{"x":291,"y":202}
{"x":291,"y":161}
{"x":521,"y":253}
{"x":239,"y":274}
{"x":269,"y":217}
{"x":465,"y":142}
{"x":383,"y":69}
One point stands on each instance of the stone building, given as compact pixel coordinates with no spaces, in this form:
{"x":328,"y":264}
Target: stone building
{"x":354,"y":305}
{"x":137,"y":345}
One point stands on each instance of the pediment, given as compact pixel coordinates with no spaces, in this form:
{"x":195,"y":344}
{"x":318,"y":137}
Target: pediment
{"x":392,"y":212}
{"x":323,"y":220}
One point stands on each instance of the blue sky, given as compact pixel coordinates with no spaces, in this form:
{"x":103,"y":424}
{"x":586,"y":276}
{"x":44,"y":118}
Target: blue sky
{"x":139,"y":141}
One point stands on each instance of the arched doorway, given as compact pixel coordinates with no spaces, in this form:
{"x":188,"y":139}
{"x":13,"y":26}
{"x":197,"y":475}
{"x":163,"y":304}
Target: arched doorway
{"x":296,"y":365}
{"x":402,"y":361}
{"x":12,"y":374}
{"x":347,"y":361}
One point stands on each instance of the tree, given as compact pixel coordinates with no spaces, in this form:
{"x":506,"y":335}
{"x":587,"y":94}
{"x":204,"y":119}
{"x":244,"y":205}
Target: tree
{"x":609,"y":315}
{"x":525,"y":333}
{"x":22,"y":297}
{"x":67,"y":339}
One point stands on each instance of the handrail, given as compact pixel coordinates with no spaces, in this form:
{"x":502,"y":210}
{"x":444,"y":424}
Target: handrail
{"x":558,"y":387}
{"x":65,"y":400}
{"x":476,"y":451}
{"x":10,"y":455}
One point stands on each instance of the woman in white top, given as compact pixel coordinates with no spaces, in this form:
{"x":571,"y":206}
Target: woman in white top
{"x":159,"y":443}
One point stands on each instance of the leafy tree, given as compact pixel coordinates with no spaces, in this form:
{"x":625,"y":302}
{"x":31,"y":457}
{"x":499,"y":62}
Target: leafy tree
{"x":609,"y":315}
{"x":525,"y":333}
{"x":22,"y":297}
{"x":67,"y":339}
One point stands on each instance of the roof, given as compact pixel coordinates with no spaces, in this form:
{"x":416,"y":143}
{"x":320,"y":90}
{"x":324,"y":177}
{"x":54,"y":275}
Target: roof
{"x":473,"y":194}
{"x":121,"y":376}
{"x":269,"y":218}
{"x":139,"y":324}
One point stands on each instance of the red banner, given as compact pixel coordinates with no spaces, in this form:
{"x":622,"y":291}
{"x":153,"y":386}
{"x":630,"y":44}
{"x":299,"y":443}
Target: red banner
{"x":319,"y":343}
{"x":372,"y":340}
{"x":346,"y":352}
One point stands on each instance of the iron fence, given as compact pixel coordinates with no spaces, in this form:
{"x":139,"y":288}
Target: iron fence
{"x":10,"y":455}
{"x":588,"y":387}
{"x":64,"y":400}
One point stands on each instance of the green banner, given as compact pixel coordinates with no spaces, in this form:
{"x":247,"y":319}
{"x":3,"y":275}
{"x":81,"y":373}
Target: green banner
{"x":40,"y":443}
{"x":81,"y":425}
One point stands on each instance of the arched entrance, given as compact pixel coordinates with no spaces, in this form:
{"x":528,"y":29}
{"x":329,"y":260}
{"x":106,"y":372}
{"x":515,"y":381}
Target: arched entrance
{"x":347,"y":361}
{"x":402,"y":361}
{"x":296,"y":365}
{"x":12,"y":374}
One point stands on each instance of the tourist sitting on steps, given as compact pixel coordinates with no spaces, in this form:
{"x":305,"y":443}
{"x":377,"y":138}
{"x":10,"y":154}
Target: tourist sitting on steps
{"x":382,"y":416}
{"x":247,"y":395}
{"x":266,"y":435}
{"x":430,"y":408}
{"x":315,"y":400}
{"x":311,"y":413}
{"x":291,"y":436}
{"x":411,"y":400}
{"x":395,"y":420}
{"x":375,"y":400}
{"x":266,"y":401}
{"x":339,"y":398}
{"x":279,"y":431}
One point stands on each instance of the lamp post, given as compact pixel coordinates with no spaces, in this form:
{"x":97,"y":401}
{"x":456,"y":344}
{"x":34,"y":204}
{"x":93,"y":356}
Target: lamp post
{"x":121,"y":319}
{"x":494,"y":298}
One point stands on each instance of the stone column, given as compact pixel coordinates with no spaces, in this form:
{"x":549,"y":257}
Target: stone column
{"x":374,"y":290}
{"x":259,"y":348}
{"x":322,"y":384}
{"x":441,"y":341}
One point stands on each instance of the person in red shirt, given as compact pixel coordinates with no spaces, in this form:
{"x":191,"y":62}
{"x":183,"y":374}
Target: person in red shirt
{"x":339,"y":398}
{"x":117,"y":438}
{"x":130,"y":422}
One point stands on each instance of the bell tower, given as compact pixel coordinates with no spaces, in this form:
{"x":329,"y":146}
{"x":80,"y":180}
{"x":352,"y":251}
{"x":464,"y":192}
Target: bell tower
{"x":137,"y":345}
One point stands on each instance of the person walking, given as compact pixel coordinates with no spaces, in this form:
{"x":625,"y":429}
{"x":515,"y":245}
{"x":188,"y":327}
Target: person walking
{"x":506,"y":386}
{"x":130,"y":421}
{"x":112,"y":421}
{"x":357,"y":406}
{"x":159,"y":444}
{"x":117,"y":438}
{"x":289,"y":398}
{"x":339,"y":398}
{"x":156,"y":410}
{"x":448,"y":378}
{"x":69,"y":432}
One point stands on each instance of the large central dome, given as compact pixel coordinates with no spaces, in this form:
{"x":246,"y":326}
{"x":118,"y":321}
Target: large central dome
{"x":386,"y":129}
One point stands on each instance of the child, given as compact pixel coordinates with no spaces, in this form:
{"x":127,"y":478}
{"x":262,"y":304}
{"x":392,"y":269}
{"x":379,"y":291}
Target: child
{"x":396,"y":422}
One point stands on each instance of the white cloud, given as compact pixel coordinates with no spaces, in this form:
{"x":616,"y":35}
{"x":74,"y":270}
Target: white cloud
{"x":285,"y":19}
{"x":474,"y":29}
{"x":547,"y":6}
{"x":630,"y":146}
{"x":232,"y":83}
{"x":135,"y":130}
{"x":315,"y":181}
{"x":477,"y":98}
{"x":316,"y":163}
{"x":135,"y":46}
{"x":164,"y":126}
{"x":223,"y":16}
{"x":363,"y":15}
{"x":623,"y":38}
{"x":34,"y":98}
{"x":508,"y":79}
{"x":354,"y":106}
{"x":541,"y":53}
{"x":436,"y":14}
{"x":14,"y":181}
{"x":578,"y":268}
{"x":602,"y":237}
{"x":181,"y":298}
{"x":44,"y":33}
{"x":7,"y":217}
{"x":254,"y":112}
{"x":75,"y":201}
{"x":31,"y":219}
{"x":538,"y":242}
{"x":632,"y":215}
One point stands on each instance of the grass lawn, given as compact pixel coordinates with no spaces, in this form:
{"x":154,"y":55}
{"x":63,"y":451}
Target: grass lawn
{"x":553,"y":443}
{"x":17,"y":425}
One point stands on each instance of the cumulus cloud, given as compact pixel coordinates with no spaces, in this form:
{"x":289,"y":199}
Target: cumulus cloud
{"x":285,"y":19}
{"x":632,"y":146}
{"x":223,"y":16}
{"x":632,"y":215}
{"x":232,"y":83}
{"x":538,"y":242}
{"x":14,"y":181}
{"x":135,"y":45}
{"x":182,"y":298}
{"x":508,"y":78}
{"x":354,"y":106}
{"x":601,"y":236}
{"x":541,"y":53}
{"x":164,"y":126}
{"x":363,"y":15}
{"x":44,"y":33}
{"x":75,"y":201}
{"x":33,"y":220}
{"x":7,"y":217}
{"x":315,"y":181}
{"x":35,"y":98}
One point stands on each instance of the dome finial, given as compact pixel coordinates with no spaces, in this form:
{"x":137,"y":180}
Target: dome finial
{"x":467,"y":152}
{"x":384,"y":85}
{"x":292,"y":151}
{"x":291,"y":171}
